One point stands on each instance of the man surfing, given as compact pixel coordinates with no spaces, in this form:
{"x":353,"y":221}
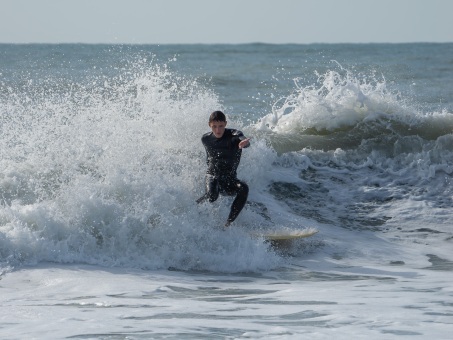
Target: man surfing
{"x":224,"y":149}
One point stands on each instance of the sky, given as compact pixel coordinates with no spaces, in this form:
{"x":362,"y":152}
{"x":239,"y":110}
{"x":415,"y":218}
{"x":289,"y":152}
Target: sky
{"x":225,"y":22}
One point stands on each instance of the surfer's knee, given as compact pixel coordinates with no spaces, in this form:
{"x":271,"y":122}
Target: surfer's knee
{"x":212,"y":196}
{"x":243,"y":188}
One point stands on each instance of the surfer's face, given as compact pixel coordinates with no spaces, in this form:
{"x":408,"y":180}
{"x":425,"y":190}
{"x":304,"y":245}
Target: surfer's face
{"x":218,"y":128}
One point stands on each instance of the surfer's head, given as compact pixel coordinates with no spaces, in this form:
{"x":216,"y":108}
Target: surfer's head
{"x":217,"y":123}
{"x":217,"y":116}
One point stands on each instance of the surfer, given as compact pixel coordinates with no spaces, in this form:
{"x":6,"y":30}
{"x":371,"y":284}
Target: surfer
{"x":223,"y":149}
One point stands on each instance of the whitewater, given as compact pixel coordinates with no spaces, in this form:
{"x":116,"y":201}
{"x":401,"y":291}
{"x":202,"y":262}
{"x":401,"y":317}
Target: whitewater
{"x":101,"y":164}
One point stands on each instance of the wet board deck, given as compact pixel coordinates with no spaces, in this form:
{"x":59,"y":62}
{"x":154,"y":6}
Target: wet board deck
{"x":272,"y":235}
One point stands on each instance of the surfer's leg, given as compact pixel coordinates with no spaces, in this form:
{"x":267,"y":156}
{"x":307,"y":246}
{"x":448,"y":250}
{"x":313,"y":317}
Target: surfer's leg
{"x":242,"y":190}
{"x":212,"y":189}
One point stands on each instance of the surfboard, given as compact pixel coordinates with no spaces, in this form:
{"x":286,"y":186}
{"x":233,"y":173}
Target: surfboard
{"x":284,"y":235}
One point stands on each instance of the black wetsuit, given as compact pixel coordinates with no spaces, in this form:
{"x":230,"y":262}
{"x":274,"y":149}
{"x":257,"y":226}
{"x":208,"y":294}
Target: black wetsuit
{"x":223,"y":157}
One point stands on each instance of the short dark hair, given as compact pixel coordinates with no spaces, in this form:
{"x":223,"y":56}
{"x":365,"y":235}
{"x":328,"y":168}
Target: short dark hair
{"x":217,"y":116}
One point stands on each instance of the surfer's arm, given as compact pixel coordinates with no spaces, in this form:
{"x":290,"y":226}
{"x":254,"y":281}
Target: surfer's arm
{"x":244,"y":143}
{"x":240,"y":140}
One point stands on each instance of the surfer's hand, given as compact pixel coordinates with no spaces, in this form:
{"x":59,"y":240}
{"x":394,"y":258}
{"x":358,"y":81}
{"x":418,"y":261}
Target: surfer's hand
{"x":244,"y":143}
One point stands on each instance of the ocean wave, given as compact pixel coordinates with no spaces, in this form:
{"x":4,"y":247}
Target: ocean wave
{"x":107,"y":171}
{"x":344,"y":110}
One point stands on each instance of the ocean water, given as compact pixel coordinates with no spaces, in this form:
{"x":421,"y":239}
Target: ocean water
{"x":101,"y":163}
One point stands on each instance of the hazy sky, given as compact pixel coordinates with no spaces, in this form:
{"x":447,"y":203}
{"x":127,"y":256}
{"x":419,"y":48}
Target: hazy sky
{"x":230,"y":21}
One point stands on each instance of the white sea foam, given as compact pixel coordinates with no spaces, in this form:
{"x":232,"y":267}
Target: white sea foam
{"x":114,"y":181}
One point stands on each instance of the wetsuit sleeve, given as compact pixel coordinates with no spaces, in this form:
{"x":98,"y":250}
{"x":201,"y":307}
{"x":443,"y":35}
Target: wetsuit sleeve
{"x":240,"y":136}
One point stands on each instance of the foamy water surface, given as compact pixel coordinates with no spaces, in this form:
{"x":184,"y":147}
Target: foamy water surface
{"x":100,"y":235}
